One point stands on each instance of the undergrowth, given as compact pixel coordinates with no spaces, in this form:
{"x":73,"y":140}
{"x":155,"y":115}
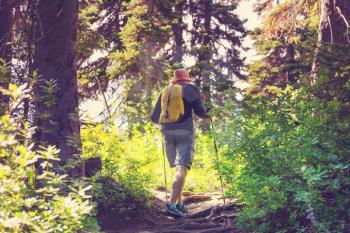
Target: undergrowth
{"x":287,"y":159}
{"x":136,"y":159}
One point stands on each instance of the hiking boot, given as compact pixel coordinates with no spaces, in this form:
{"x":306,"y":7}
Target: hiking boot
{"x":181,"y":207}
{"x":172,"y":211}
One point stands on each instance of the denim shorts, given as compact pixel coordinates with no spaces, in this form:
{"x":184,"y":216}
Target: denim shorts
{"x":179,"y":146}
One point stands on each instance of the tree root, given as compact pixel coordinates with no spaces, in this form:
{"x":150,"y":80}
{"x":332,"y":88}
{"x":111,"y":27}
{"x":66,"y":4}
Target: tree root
{"x":198,"y":226}
{"x":216,"y":219}
{"x":212,"y":211}
{"x":188,"y":193}
{"x":149,"y":221}
{"x":162,"y":189}
{"x":172,"y":231}
{"x":201,"y":214}
{"x":190,"y":227}
{"x":220,"y":230}
{"x":196,"y":198}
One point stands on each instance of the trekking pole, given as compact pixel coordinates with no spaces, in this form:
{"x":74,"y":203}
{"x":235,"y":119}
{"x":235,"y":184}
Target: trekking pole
{"x":217,"y":162}
{"x":164,"y":166}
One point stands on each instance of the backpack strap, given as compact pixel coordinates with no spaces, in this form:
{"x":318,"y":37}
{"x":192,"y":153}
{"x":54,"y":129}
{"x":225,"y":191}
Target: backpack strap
{"x":168,"y":102}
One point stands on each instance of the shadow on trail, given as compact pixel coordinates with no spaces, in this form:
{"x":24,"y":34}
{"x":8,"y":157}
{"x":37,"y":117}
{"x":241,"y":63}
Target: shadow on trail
{"x":206,"y":213}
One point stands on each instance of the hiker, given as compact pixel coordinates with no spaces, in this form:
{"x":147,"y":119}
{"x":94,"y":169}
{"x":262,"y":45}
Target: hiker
{"x":173,"y":111}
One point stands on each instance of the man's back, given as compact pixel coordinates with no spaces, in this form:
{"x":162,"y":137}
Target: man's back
{"x":192,"y":103}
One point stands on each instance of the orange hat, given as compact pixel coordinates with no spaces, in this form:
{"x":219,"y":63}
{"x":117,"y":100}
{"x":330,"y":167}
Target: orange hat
{"x":181,"y":75}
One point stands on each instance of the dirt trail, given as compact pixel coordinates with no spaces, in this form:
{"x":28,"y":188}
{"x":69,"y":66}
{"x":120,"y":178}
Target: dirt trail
{"x":206,"y":213}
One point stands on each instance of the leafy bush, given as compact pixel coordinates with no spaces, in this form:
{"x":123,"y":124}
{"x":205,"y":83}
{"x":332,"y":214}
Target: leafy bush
{"x":287,"y":159}
{"x":118,"y":162}
{"x":30,"y":203}
{"x":136,"y":160}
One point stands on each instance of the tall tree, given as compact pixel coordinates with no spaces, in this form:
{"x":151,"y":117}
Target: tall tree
{"x":100,"y":23}
{"x":140,"y":65}
{"x":216,"y":38}
{"x":56,"y":113}
{"x":285,"y":41}
{"x":333,"y":32}
{"x":6,"y":18}
{"x":178,"y":28}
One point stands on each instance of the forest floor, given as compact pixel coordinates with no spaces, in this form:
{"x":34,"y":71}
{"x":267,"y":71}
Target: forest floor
{"x":206,"y":213}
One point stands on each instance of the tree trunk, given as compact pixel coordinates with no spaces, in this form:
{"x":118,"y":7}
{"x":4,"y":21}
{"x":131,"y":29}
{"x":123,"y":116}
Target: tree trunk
{"x":204,"y":60}
{"x":202,"y":73}
{"x":178,"y":32}
{"x":6,"y":17}
{"x":149,"y":62}
{"x":56,"y":92}
{"x":333,"y":30}
{"x":290,"y":50}
{"x":204,"y":57}
{"x":30,"y":48}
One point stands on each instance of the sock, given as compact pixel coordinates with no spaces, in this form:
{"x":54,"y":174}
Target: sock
{"x":171,"y":204}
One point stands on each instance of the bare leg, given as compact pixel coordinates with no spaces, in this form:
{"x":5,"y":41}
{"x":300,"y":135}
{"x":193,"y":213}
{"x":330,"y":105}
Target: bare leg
{"x":179,"y":199}
{"x":180,"y":176}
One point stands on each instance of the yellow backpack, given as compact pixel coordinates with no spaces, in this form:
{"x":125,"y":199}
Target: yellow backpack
{"x":172,"y":104}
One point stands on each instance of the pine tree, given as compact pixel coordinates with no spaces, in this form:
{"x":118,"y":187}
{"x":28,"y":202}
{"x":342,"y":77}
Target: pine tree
{"x":6,"y":18}
{"x":56,"y":94}
{"x":216,"y":37}
{"x":100,"y":23}
{"x":140,"y":64}
{"x":178,"y":27}
{"x":333,"y":34}
{"x":285,"y":41}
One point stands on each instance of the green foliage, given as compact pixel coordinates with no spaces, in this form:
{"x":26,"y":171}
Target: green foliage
{"x":286,"y":158}
{"x":121,"y":160}
{"x":216,"y":40}
{"x":136,"y":160}
{"x":286,"y":43}
{"x":89,"y":39}
{"x":48,"y":202}
{"x":284,"y":19}
{"x":140,"y":64}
